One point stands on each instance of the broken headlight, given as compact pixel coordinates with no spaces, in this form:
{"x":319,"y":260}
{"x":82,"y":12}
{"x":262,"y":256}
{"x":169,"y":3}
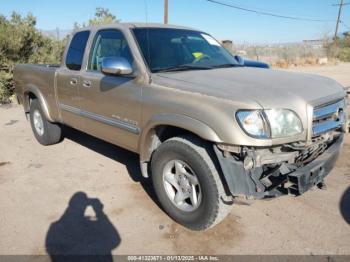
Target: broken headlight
{"x":253,"y":123}
{"x":273,"y":123}
{"x":283,"y":123}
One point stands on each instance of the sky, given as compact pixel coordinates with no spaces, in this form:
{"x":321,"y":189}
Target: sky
{"x":220,"y":21}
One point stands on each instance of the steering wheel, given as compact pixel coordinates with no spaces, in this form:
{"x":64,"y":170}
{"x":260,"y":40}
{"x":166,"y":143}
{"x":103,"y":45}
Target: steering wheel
{"x":201,"y":58}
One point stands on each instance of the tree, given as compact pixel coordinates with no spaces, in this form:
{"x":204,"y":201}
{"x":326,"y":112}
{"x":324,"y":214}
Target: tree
{"x":21,"y":42}
{"x":103,"y":16}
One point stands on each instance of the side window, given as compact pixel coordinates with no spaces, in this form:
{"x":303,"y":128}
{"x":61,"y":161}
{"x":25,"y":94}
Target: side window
{"x":108,"y":43}
{"x":75,"y":54}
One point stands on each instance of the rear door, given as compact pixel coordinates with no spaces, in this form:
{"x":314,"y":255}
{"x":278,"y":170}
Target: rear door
{"x":69,"y":80}
{"x":111,"y":105}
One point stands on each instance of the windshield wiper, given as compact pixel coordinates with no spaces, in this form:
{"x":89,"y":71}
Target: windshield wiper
{"x":227,"y":66}
{"x":182,"y":68}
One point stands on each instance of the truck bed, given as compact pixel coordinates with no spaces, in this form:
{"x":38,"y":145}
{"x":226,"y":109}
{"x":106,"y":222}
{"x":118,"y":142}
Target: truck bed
{"x":32,"y":77}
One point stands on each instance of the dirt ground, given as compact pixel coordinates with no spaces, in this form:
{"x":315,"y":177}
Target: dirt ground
{"x":87,"y":195}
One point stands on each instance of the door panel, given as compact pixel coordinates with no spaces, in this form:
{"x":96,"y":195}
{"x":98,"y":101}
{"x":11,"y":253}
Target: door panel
{"x":111,"y":107}
{"x":68,"y":83}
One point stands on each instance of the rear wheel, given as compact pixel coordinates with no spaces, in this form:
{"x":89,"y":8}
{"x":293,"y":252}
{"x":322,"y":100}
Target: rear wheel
{"x":188,"y":184}
{"x":45,"y":132}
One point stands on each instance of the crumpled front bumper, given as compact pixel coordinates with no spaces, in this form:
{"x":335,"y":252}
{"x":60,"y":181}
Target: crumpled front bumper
{"x":247,"y":182}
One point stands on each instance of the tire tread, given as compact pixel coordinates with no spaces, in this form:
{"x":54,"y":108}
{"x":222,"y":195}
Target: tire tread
{"x":52,"y":132}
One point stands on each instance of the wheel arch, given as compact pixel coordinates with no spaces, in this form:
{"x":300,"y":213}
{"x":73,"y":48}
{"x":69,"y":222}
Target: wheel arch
{"x":165,"y":126}
{"x":32,"y":92}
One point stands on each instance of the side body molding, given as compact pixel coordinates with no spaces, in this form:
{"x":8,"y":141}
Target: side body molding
{"x":36,"y":91}
{"x":148,"y":140}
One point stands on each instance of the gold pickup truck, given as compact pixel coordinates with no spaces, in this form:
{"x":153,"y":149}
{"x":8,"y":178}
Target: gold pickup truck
{"x":207,"y":127}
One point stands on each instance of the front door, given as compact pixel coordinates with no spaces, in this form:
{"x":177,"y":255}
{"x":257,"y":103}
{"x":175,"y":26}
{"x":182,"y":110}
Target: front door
{"x":111,"y":105}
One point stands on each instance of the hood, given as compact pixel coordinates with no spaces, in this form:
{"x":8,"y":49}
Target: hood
{"x":268,"y":88}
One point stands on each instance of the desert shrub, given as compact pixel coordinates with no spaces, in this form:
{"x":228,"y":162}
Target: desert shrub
{"x":344,"y":54}
{"x":5,"y":86}
{"x":339,"y":48}
{"x":21,"y":42}
{"x":281,"y":63}
{"x":310,"y":60}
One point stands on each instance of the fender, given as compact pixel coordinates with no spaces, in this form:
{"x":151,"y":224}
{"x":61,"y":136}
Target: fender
{"x":147,"y":139}
{"x":36,"y":91}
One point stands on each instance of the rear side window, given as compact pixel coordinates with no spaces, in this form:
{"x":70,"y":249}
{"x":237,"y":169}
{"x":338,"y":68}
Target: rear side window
{"x":75,"y":54}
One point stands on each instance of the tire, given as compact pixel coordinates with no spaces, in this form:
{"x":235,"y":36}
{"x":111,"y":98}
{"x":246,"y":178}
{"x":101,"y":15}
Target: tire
{"x":193,"y":155}
{"x":49,"y":133}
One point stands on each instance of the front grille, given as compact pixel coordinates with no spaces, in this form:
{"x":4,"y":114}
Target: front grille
{"x":328,"y":117}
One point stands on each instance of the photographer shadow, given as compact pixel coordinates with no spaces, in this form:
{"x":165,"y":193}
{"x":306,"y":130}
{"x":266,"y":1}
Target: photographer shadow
{"x":76,"y":236}
{"x":345,"y":206}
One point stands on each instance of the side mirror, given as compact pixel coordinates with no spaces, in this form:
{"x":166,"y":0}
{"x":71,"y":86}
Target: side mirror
{"x":116,"y":66}
{"x":239,"y":59}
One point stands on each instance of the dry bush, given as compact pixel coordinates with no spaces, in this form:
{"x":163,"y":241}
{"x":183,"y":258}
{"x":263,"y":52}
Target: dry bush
{"x":282,"y":63}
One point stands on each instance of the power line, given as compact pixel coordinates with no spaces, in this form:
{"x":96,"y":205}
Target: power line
{"x":268,"y":13}
{"x":341,"y":4}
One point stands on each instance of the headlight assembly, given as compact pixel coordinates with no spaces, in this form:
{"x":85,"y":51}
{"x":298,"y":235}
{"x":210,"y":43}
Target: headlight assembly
{"x":283,"y":123}
{"x":253,"y":123}
{"x":274,"y":123}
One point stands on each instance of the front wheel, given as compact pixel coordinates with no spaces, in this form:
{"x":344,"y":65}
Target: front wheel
{"x":188,"y":184}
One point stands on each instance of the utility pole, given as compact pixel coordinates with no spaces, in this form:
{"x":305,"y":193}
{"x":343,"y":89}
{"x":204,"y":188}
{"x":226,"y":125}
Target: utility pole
{"x":166,"y":9}
{"x":338,"y":19}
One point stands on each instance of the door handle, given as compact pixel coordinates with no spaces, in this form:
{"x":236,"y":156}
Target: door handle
{"x":87,"y":83}
{"x":74,"y":81}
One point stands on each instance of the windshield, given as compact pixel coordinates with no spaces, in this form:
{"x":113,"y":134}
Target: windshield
{"x":167,"y":49}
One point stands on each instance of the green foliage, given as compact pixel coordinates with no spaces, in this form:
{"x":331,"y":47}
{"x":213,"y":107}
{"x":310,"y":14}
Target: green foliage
{"x":344,"y":54}
{"x":21,"y":42}
{"x":102,"y":17}
{"x":6,"y":80}
{"x":340,"y":48}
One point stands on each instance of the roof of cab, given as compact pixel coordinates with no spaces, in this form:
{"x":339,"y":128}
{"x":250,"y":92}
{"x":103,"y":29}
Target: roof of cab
{"x":134,"y":25}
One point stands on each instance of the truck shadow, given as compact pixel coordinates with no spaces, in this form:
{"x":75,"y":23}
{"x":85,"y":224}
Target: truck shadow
{"x":345,"y":206}
{"x":127,"y":158}
{"x":77,"y":236}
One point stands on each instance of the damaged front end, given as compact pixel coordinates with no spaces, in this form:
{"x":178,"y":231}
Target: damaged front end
{"x":288,"y":169}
